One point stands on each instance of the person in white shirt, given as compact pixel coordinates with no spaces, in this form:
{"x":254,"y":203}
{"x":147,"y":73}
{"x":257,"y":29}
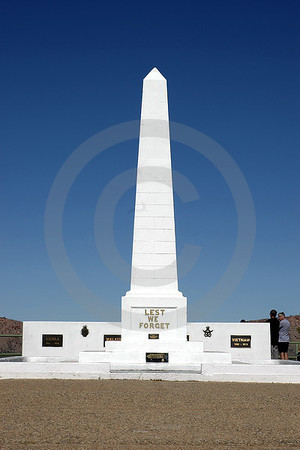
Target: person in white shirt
{"x":284,"y":337}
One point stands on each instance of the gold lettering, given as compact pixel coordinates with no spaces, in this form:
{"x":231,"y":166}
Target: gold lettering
{"x":162,"y":326}
{"x":146,"y":313}
{"x":152,"y":312}
{"x":167,"y":325}
{"x":156,"y":319}
{"x":150,"y":318}
{"x":157,"y":325}
{"x":146,"y":325}
{"x":151,"y":325}
{"x":141,"y":324}
{"x":157,"y":312}
{"x":162,"y":311}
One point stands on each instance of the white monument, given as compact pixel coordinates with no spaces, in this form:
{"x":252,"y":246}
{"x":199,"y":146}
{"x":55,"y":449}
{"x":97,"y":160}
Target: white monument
{"x":154,"y":312}
{"x":154,"y":304}
{"x":154,"y":334}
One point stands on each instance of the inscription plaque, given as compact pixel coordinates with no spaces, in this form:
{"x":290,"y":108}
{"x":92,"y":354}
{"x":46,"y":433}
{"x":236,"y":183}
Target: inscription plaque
{"x":157,"y":357}
{"x":153,"y":320}
{"x":111,"y":337}
{"x":52,"y":340}
{"x":240,"y":341}
{"x":153,"y":336}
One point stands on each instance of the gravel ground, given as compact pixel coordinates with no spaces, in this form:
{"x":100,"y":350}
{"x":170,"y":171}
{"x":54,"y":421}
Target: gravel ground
{"x":113,"y":414}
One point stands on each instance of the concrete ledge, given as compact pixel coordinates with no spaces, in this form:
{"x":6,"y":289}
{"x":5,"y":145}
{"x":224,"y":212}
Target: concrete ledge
{"x":260,"y":373}
{"x":52,"y":370}
{"x":252,"y":369}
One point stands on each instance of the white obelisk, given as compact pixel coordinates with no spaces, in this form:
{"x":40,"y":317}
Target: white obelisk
{"x":154,"y":266}
{"x":154,"y":319}
{"x":154,"y":304}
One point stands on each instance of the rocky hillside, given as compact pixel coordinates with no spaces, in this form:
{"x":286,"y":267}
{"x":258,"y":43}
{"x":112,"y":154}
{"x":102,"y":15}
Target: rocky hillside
{"x":10,"y":344}
{"x":295,"y":328}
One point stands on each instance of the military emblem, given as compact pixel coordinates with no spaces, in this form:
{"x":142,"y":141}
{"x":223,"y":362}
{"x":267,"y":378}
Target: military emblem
{"x":84,"y":331}
{"x":207,"y":332}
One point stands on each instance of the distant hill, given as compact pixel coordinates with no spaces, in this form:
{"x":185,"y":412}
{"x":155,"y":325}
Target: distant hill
{"x":10,"y":344}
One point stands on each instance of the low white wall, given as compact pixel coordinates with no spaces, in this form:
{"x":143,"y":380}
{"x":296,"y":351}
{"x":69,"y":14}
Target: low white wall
{"x":220,"y":340}
{"x":74,"y":342}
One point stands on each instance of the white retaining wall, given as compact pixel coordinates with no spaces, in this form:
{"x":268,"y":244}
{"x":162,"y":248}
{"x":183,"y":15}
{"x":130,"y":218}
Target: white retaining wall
{"x":74,"y":342}
{"x":220,"y":340}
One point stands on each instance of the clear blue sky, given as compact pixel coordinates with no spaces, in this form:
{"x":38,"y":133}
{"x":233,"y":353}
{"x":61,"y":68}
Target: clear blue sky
{"x":70,"y":69}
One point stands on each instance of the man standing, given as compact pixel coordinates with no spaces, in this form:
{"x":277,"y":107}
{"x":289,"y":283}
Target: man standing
{"x":274,"y":329}
{"x":284,"y":337}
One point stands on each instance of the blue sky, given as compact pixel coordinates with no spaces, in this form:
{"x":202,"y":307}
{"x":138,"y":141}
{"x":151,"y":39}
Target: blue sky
{"x":71,"y":69}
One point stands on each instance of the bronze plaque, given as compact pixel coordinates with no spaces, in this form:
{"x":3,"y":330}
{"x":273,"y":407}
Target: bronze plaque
{"x":111,"y":337}
{"x":153,"y":336}
{"x":52,"y":340}
{"x":240,"y":341}
{"x":157,"y":357}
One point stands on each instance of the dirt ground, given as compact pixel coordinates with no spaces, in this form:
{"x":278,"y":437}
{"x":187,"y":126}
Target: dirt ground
{"x":113,"y":414}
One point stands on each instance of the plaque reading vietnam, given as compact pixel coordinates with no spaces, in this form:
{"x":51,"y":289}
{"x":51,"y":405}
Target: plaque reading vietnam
{"x":157,"y":357}
{"x":111,"y":337}
{"x":52,"y":340}
{"x":241,"y":341}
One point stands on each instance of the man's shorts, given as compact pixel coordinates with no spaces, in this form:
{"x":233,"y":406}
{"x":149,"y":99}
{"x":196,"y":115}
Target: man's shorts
{"x":283,"y":347}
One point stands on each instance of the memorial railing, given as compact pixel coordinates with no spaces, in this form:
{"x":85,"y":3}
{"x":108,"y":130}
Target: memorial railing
{"x":294,"y":349}
{"x":9,"y":345}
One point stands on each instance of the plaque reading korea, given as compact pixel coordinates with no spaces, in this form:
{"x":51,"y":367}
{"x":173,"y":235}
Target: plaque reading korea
{"x":157,"y":357}
{"x":111,"y":337}
{"x":241,"y":341}
{"x":52,"y":340}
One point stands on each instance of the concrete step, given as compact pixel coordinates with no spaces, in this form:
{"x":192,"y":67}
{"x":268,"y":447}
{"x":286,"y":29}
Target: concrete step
{"x":154,"y":346}
{"x":155,"y":368}
{"x":262,"y":368}
{"x":139,"y":357}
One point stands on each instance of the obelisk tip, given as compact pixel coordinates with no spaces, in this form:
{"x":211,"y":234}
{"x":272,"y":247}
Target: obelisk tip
{"x":154,"y":74}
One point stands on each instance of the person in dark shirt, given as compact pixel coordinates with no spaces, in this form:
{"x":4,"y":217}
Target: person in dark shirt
{"x":274,"y":330}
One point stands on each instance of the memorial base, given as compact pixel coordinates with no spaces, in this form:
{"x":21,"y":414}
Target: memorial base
{"x":175,"y":358}
{"x":163,"y":314}
{"x":166,"y":354}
